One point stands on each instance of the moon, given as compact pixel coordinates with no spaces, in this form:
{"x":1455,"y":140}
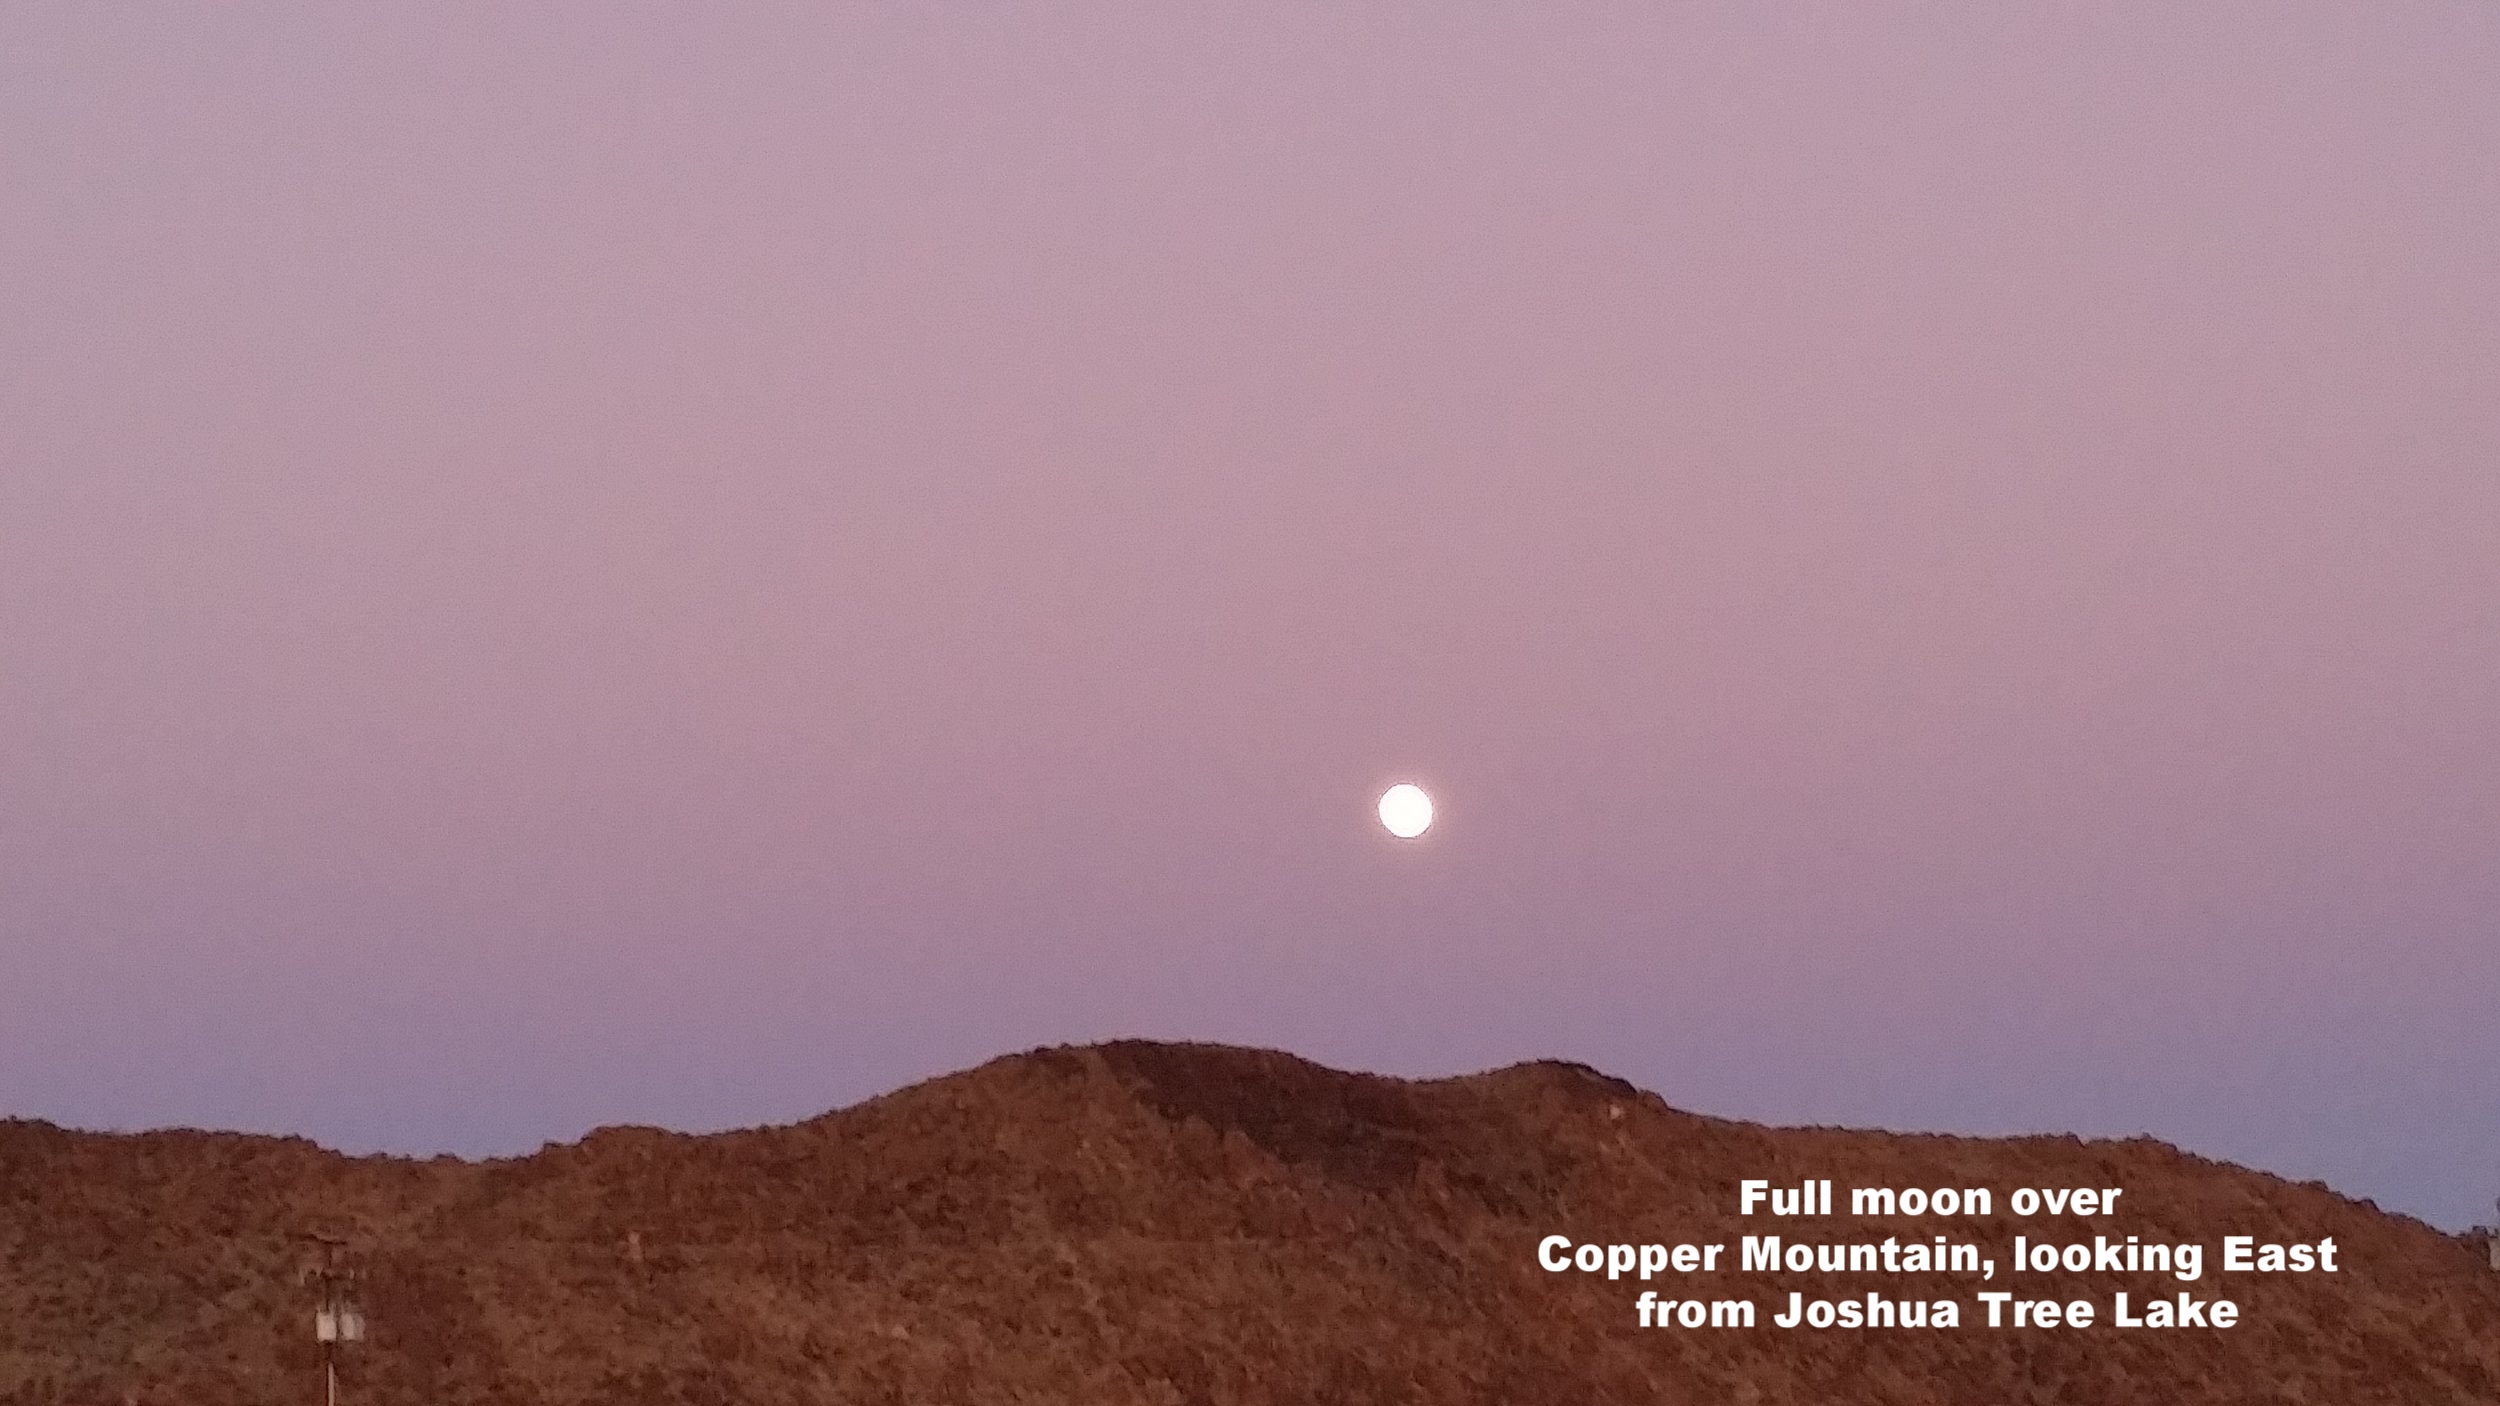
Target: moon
{"x":1405,"y":811}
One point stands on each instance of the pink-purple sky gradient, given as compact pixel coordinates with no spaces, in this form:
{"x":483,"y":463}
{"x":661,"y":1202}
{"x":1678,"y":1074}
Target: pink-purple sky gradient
{"x":693,"y":565}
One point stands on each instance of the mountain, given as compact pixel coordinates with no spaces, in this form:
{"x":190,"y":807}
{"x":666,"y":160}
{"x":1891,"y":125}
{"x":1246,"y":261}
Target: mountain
{"x":1177,"y":1224}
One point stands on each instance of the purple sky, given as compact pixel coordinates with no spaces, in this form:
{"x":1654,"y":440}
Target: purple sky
{"x":1943,"y":564}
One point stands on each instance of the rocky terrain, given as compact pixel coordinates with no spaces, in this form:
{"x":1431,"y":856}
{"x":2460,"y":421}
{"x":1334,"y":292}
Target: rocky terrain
{"x":1141,"y":1223}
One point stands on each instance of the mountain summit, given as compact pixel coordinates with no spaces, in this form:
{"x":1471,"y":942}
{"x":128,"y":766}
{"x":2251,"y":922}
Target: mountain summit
{"x":1184,"y":1225}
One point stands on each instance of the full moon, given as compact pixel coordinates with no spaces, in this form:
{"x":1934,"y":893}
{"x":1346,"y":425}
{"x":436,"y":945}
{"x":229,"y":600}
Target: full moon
{"x":1405,"y":810}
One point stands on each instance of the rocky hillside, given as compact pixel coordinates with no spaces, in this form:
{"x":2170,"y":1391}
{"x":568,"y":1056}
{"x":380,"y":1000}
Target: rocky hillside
{"x":1163,"y":1224}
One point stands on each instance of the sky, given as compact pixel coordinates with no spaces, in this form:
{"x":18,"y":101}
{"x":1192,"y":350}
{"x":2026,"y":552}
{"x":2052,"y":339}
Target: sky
{"x":694,"y":565}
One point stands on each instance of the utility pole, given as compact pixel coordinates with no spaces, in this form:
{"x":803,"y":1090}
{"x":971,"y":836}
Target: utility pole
{"x":338,"y":1320}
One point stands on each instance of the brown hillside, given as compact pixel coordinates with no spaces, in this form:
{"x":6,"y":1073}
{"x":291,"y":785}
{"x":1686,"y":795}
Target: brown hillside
{"x":1159,"y":1224}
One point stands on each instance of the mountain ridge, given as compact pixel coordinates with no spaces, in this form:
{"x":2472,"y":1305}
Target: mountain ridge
{"x":1182,"y":1224}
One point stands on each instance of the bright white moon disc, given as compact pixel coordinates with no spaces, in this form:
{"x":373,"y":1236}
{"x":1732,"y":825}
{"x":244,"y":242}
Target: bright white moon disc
{"x":1406,"y":810}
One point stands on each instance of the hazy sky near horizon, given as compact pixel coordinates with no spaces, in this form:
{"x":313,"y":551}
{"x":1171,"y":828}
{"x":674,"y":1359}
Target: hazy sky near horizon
{"x":1942,"y":563}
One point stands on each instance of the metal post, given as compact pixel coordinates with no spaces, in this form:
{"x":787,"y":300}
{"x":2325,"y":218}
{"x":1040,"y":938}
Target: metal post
{"x":339,"y":1320}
